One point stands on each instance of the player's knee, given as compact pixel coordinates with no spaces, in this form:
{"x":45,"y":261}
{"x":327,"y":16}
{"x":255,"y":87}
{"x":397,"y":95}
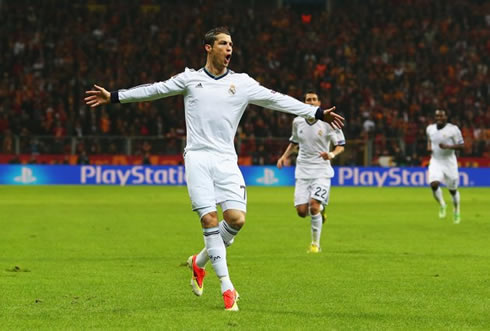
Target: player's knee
{"x":302,"y":210}
{"x":453,"y":192}
{"x":210,"y":220}
{"x":434,"y":185}
{"x":314,"y":207}
{"x":314,"y":210}
{"x":235,"y":218}
{"x":238,"y":222}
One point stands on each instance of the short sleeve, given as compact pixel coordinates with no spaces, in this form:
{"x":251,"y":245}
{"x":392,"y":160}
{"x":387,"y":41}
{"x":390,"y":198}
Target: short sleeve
{"x":294,"y":134}
{"x":337,"y":137}
{"x":457,"y":136}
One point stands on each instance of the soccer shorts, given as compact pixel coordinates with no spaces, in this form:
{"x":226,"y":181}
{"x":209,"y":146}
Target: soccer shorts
{"x":214,"y":179}
{"x":306,"y":189}
{"x":444,"y":172}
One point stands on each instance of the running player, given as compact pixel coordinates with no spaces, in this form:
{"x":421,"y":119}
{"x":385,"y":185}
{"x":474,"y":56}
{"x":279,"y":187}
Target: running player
{"x":313,"y":168}
{"x":443,"y":139}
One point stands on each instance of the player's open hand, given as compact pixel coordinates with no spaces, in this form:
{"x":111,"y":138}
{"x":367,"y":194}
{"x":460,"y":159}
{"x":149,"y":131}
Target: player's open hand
{"x":98,"y":96}
{"x":332,"y":118}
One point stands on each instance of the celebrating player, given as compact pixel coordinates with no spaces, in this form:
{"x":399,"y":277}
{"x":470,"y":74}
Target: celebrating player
{"x":313,"y":169}
{"x":443,"y":139}
{"x":214,"y":100}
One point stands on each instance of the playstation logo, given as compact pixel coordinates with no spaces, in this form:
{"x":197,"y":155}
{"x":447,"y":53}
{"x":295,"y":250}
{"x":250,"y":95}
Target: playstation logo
{"x":26,"y":176}
{"x":269,"y":178}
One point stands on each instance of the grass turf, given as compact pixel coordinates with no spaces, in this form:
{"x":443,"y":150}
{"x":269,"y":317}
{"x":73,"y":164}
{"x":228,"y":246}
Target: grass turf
{"x":111,"y":258}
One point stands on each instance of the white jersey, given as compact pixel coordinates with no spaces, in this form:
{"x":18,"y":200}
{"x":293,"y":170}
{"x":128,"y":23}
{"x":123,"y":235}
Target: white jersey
{"x":450,"y":135}
{"x":215,"y":105}
{"x":314,"y":139}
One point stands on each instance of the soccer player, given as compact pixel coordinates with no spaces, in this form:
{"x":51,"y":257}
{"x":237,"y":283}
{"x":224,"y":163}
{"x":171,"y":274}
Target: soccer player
{"x":313,"y":169}
{"x":215,"y":98}
{"x":443,"y":139}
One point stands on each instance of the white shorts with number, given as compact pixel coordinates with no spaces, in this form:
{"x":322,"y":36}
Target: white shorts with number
{"x":444,"y":172}
{"x":306,"y":189}
{"x":214,"y":179}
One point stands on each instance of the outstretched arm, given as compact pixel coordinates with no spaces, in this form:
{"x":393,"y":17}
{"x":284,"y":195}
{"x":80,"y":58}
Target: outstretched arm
{"x":147,"y":92}
{"x":261,"y":96}
{"x":292,"y":147}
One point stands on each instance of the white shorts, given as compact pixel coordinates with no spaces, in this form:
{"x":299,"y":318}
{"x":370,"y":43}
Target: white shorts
{"x":306,"y":189}
{"x":444,"y":172}
{"x":214,"y":179}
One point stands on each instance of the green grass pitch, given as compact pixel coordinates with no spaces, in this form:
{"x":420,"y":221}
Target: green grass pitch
{"x":111,"y":258}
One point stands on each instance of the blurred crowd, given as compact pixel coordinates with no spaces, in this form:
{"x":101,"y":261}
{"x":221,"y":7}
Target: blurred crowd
{"x":386,"y":65}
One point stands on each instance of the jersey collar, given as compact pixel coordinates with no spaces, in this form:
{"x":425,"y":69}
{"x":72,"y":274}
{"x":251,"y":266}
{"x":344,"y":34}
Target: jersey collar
{"x":310,"y":124}
{"x":216,"y":77}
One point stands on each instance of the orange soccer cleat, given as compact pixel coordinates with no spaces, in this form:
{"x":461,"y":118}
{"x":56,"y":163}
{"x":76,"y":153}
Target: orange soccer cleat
{"x":198,"y":274}
{"x":231,"y":297}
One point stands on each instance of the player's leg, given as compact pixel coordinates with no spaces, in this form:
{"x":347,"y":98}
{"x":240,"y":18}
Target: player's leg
{"x":211,"y":230}
{"x":436,"y":175}
{"x":316,"y":225}
{"x":231,"y":194}
{"x":216,"y":250}
{"x":320,"y":190}
{"x":302,"y":210}
{"x":228,"y":230}
{"x":456,"y":204}
{"x":233,"y":222}
{"x":201,"y":191}
{"x":301,"y":197}
{"x":452,"y":182}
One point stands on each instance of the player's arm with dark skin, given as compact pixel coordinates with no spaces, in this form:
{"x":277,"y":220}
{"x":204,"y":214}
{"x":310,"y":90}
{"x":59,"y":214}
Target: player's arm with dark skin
{"x":455,"y":146}
{"x":292,"y":148}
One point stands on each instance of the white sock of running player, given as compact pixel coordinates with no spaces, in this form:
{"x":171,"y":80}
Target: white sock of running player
{"x":455,"y":198}
{"x":217,"y":254}
{"x":438,"y":196}
{"x":316,"y":228}
{"x":227,"y":232}
{"x":202,"y":258}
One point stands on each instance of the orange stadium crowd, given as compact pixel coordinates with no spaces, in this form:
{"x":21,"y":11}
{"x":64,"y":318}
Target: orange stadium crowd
{"x":386,"y":65}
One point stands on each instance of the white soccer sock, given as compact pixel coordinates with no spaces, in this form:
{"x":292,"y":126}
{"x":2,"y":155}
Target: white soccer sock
{"x":316,"y":228}
{"x":438,"y":196}
{"x":456,"y":201}
{"x":217,"y":254}
{"x":227,"y":234}
{"x":202,"y":258}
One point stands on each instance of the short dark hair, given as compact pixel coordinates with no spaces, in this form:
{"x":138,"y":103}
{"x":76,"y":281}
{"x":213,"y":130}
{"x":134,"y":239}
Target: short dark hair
{"x":310,"y":92}
{"x":210,"y":36}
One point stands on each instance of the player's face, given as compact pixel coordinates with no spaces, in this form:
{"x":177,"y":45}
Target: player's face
{"x":441,"y":117}
{"x":221,"y":51}
{"x":312,"y":99}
